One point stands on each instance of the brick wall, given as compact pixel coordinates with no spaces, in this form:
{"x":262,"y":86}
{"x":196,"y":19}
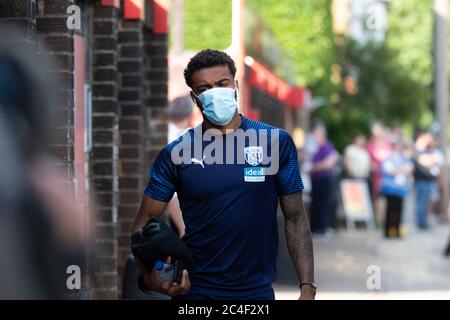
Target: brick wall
{"x":131,"y":130}
{"x":15,"y":13}
{"x":104,"y":155}
{"x":53,"y":34}
{"x":156,"y":87}
{"x":130,"y":105}
{"x":143,"y":103}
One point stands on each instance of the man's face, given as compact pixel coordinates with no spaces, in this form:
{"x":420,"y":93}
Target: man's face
{"x":214,"y":77}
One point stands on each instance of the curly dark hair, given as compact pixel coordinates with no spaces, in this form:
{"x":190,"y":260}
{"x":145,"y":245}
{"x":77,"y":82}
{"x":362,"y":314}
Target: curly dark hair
{"x":206,"y":59}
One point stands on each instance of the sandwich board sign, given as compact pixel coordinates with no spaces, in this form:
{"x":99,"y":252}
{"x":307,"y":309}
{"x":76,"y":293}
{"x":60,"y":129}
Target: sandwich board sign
{"x":356,"y":202}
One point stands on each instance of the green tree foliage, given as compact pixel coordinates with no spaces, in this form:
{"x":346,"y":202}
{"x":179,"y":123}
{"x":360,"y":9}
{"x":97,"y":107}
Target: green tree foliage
{"x":385,"y":91}
{"x":207,"y":24}
{"x":411,"y":35}
{"x":393,"y":79}
{"x":304,"y":30}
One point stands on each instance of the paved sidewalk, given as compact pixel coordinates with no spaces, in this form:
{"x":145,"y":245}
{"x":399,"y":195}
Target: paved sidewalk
{"x":411,"y":268}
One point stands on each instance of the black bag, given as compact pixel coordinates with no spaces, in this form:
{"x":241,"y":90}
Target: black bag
{"x":156,"y":241}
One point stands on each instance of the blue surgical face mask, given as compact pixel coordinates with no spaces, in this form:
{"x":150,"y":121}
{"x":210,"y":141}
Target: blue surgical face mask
{"x":219,"y":105}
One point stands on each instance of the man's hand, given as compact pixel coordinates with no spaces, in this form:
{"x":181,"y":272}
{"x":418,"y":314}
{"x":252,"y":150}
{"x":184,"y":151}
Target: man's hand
{"x":169,"y":288}
{"x":307,"y":293}
{"x":154,"y":208}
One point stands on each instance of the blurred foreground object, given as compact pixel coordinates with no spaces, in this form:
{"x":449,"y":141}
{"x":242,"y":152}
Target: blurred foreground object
{"x":42,"y":233}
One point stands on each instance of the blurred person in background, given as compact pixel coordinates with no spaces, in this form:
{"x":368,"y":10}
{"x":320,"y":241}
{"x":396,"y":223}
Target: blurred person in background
{"x":357,"y":159}
{"x":435,"y":188}
{"x":41,"y":231}
{"x":426,"y":171}
{"x":395,"y":185}
{"x":447,"y":247}
{"x":394,"y":134}
{"x":180,"y":117}
{"x":322,"y":180}
{"x":180,"y":120}
{"x":379,"y":149}
{"x":309,"y":149}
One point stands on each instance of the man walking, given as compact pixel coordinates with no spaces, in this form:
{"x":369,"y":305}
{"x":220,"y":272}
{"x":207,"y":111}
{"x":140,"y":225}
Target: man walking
{"x":229,"y":207}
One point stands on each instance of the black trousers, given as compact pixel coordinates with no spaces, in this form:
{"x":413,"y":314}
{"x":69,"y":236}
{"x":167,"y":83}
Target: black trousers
{"x":321,"y":204}
{"x":447,"y":249}
{"x":393,"y":216}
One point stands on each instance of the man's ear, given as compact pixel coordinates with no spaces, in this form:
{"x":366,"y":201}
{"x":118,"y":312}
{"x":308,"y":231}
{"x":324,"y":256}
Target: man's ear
{"x":236,"y":84}
{"x":195,"y":99}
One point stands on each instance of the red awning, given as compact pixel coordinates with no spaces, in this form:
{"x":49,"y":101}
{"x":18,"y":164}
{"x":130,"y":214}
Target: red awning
{"x":133,"y":9}
{"x":160,"y":13}
{"x":111,"y":3}
{"x":265,"y":80}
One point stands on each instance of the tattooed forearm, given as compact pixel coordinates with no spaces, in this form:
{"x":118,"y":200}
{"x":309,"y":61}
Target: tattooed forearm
{"x":298,"y":236}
